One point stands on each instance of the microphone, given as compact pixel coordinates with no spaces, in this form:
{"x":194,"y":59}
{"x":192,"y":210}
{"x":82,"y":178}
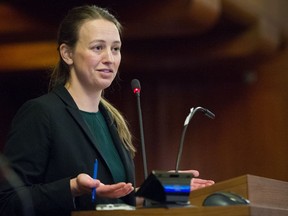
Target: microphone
{"x":162,"y":188}
{"x":186,"y":122}
{"x":136,"y":88}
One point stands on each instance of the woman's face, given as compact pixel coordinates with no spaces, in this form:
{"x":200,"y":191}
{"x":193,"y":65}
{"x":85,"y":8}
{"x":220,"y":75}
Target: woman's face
{"x":96,"y":56}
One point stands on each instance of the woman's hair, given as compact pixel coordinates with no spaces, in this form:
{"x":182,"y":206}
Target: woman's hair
{"x":68,"y":34}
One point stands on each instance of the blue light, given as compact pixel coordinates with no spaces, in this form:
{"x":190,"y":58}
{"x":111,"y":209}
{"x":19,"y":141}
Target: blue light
{"x":177,"y":188}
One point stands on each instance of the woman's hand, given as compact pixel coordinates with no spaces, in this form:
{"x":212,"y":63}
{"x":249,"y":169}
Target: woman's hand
{"x":115,"y":190}
{"x":197,"y":183}
{"x":83,"y":184}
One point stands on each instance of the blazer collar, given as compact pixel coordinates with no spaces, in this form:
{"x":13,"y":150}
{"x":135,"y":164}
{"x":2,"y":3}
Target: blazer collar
{"x":72,"y":108}
{"x":64,"y":95}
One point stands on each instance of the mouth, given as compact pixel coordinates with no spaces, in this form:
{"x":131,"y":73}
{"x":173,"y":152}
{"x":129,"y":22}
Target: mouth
{"x":105,"y":70}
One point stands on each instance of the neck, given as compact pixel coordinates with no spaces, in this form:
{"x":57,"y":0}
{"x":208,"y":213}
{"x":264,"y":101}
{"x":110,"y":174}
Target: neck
{"x":86,"y":101}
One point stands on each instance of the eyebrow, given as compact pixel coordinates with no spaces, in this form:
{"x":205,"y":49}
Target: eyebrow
{"x":103,"y":41}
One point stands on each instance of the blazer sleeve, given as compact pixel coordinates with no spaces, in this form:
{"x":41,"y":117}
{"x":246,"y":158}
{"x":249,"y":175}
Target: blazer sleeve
{"x":27,"y":150}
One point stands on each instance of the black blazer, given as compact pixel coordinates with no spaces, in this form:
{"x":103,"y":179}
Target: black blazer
{"x":49,"y":144}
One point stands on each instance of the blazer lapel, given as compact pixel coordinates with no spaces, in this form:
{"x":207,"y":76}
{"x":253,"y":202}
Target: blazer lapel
{"x":72,"y":108}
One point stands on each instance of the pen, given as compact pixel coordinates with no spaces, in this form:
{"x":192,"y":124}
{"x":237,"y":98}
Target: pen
{"x":95,"y":171}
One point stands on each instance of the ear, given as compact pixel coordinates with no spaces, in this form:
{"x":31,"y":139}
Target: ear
{"x":66,"y":53}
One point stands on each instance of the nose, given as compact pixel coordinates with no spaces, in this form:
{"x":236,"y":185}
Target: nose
{"x":108,"y":56}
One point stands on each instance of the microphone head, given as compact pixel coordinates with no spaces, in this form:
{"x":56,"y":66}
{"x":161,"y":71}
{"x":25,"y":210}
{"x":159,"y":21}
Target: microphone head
{"x":136,"y":88}
{"x":209,"y":114}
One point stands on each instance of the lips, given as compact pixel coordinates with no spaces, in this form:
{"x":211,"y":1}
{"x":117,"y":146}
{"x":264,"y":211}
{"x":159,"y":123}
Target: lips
{"x":105,"y":70}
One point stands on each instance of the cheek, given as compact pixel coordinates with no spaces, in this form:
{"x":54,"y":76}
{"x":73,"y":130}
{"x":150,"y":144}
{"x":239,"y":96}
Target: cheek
{"x":86,"y":57}
{"x":91,"y":58}
{"x":118,"y":60}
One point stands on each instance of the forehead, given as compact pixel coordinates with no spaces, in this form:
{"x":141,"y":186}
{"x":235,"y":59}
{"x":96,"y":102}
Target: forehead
{"x":99,"y":29}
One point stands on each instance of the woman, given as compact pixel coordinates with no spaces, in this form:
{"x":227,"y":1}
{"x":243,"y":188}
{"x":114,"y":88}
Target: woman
{"x":56,"y":138}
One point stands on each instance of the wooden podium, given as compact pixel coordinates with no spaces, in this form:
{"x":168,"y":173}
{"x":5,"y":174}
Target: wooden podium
{"x":268,"y":197}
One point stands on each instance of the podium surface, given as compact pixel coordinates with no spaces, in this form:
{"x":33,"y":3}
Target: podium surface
{"x":195,"y":211}
{"x":259,"y":191}
{"x":268,"y":197}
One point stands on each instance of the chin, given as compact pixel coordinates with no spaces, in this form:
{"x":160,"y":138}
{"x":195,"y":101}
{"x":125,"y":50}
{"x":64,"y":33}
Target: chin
{"x":104,"y":85}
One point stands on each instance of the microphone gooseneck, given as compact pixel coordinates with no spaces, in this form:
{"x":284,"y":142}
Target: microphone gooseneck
{"x":136,"y":88}
{"x":186,"y":122}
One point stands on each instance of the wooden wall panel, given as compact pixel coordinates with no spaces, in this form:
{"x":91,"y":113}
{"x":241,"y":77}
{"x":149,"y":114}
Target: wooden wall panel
{"x":248,"y":135}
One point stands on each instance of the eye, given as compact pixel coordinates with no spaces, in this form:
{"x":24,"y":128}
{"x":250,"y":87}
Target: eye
{"x":116,"y":49}
{"x":97,"y":47}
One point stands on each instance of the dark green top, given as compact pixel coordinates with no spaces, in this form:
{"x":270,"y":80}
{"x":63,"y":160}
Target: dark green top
{"x":99,"y":129}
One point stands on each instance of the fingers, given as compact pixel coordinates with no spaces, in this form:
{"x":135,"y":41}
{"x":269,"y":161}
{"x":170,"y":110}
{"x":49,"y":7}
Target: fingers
{"x":194,"y":172}
{"x":125,"y":190}
{"x":115,"y":190}
{"x":197,"y":183}
{"x":83,"y":184}
{"x":202,"y":181}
